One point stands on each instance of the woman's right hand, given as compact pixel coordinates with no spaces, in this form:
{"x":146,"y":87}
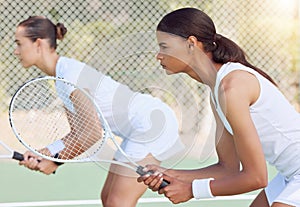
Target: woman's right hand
{"x":154,"y":179}
{"x":34,"y":162}
{"x":30,"y":161}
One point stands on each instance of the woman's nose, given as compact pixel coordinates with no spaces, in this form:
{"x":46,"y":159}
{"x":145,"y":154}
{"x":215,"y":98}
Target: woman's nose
{"x":159,"y":56}
{"x":16,"y":52}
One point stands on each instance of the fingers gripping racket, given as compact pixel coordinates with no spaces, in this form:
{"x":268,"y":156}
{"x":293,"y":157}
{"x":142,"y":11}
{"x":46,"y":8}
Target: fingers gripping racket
{"x":60,"y":121}
{"x":7,"y":153}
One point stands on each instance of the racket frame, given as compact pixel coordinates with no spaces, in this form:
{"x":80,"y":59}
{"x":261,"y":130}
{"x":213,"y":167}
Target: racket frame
{"x":107,"y":131}
{"x":107,"y":134}
{"x":12,"y":154}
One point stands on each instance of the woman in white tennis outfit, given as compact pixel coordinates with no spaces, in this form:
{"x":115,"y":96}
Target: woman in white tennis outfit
{"x":147,"y":126}
{"x":255,"y":122}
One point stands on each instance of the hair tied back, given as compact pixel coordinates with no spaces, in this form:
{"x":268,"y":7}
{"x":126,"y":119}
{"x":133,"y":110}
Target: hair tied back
{"x":217,"y":37}
{"x":61,"y":30}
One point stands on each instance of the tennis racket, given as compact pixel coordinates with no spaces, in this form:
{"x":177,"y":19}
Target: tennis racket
{"x":7,"y":153}
{"x":59,"y":121}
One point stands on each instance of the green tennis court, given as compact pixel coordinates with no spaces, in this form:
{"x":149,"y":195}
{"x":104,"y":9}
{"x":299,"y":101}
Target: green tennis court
{"x":117,"y":36}
{"x":80,"y":185}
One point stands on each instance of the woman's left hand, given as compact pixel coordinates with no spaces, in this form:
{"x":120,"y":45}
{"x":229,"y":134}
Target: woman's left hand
{"x":177,"y":191}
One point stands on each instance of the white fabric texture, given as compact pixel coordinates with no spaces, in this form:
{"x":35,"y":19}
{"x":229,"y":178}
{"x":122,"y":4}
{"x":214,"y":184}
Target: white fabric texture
{"x":276,"y":121}
{"x":278,"y":127}
{"x":146,"y":124}
{"x":201,"y":188}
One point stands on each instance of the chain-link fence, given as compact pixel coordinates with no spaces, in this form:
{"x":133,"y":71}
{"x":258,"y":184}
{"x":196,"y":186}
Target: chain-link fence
{"x":118,"y":36}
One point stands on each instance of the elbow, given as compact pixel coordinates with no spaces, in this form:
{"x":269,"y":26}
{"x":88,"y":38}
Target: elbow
{"x":264,"y":182}
{"x":259,"y":182}
{"x":255,"y":179}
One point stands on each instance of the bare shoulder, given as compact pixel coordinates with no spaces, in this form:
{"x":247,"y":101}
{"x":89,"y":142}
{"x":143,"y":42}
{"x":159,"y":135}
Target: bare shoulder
{"x":239,"y":78}
{"x":240,"y":84}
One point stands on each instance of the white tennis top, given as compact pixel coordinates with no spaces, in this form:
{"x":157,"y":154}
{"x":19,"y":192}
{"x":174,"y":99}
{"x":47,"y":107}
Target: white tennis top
{"x":141,"y":118}
{"x":276,"y":120}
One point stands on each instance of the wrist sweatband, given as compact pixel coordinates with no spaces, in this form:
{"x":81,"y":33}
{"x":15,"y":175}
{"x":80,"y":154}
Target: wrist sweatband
{"x":201,"y":188}
{"x":56,"y":147}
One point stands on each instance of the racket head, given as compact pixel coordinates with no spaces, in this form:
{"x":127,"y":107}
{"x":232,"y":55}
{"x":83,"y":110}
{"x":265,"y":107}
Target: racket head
{"x":47,"y":109}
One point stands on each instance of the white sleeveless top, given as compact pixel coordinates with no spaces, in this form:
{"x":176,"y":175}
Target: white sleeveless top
{"x":140,"y":118}
{"x":276,"y":121}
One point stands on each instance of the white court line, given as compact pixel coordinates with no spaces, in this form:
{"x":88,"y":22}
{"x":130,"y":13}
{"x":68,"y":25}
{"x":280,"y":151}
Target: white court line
{"x":97,"y":202}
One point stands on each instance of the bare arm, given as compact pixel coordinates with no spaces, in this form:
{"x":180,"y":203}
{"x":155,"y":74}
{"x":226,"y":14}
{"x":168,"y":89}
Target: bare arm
{"x":243,"y":147}
{"x":85,"y":130}
{"x":85,"y":126}
{"x":228,"y":162}
{"x":235,"y":99}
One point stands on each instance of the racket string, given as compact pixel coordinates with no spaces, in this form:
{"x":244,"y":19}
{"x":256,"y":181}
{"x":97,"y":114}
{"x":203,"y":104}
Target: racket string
{"x":40,"y":115}
{"x":49,"y":111}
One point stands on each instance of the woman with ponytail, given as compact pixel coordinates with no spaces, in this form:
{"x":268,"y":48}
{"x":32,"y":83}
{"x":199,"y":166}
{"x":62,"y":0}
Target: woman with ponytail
{"x":129,"y":113}
{"x":255,"y":122}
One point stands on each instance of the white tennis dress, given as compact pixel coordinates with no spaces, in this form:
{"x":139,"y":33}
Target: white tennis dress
{"x":278,"y":127}
{"x":146,"y":124}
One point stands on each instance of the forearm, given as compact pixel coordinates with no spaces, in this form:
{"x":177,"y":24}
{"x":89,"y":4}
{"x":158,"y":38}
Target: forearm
{"x":237,"y":184}
{"x":215,"y":171}
{"x":66,"y":148}
{"x":85,"y":127}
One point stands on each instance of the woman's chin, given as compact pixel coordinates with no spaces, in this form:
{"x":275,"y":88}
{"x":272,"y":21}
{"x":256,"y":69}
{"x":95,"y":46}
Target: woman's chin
{"x":168,"y":72}
{"x":26,"y":66}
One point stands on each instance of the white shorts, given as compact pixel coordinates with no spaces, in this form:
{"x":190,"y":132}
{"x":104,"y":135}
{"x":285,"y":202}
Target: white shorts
{"x":282,"y":191}
{"x":162,"y":140}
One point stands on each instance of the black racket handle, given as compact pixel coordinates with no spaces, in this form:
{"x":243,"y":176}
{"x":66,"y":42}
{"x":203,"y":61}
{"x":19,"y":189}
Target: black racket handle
{"x":141,"y":172}
{"x":164,"y":184}
{"x":18,"y":156}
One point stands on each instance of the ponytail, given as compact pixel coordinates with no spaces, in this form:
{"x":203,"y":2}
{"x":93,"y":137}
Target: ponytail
{"x":226,"y":50}
{"x":61,"y":30}
{"x":187,"y":22}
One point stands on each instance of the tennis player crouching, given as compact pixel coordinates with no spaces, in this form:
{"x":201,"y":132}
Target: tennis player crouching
{"x":128,"y":113}
{"x":255,"y":122}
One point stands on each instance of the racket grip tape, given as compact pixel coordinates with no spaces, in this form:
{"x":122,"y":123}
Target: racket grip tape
{"x":141,"y":172}
{"x":57,"y":156}
{"x":18,"y":156}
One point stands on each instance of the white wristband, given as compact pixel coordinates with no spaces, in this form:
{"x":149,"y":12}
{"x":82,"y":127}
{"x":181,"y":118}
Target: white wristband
{"x":201,"y":188}
{"x":56,"y":147}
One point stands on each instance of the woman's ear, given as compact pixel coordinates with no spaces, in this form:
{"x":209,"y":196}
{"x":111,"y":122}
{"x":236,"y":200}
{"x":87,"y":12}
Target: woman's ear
{"x":194,"y":44}
{"x":39,"y":44}
{"x":192,"y":41}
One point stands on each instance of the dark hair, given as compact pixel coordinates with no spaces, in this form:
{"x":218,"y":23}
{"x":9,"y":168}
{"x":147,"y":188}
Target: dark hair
{"x":188,"y":22}
{"x":41,"y":27}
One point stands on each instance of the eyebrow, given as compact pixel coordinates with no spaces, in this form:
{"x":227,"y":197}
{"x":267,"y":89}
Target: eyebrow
{"x":162,"y":44}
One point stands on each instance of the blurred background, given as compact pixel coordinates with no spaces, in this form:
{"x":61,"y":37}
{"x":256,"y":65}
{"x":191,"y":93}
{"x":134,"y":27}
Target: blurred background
{"x":118,"y":38}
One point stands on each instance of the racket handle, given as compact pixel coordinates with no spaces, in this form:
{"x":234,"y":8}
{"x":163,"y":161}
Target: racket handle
{"x":141,"y":172}
{"x":18,"y":156}
{"x":164,"y":184}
